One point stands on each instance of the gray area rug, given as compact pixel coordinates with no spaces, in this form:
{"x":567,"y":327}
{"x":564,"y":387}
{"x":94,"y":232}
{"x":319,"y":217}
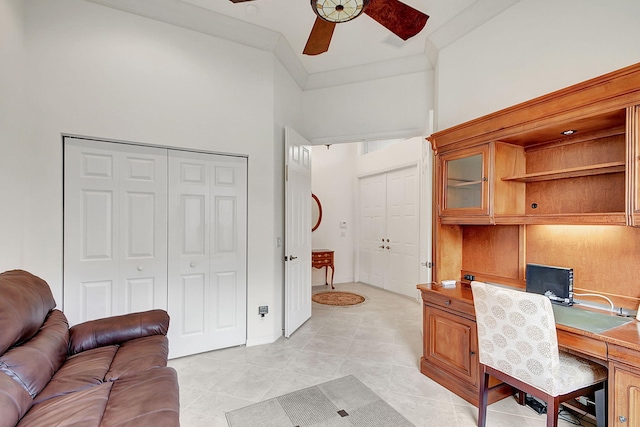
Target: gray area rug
{"x":342,"y":402}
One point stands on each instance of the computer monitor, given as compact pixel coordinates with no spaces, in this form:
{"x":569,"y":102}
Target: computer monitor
{"x":554,"y":282}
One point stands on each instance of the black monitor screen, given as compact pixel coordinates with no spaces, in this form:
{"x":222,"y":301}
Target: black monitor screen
{"x":554,"y":282}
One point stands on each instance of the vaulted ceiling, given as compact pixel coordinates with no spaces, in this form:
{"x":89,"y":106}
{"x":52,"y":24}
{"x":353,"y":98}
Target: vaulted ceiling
{"x":360,"y":49}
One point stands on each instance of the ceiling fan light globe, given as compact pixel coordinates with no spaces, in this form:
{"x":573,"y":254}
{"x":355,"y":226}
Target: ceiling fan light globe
{"x":338,"y":10}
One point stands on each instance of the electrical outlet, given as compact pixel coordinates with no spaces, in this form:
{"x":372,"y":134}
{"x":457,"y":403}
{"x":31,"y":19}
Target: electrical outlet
{"x":263,"y":309}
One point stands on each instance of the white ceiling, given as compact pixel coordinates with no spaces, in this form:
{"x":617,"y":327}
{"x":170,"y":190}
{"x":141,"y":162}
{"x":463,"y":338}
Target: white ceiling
{"x":360,"y":49}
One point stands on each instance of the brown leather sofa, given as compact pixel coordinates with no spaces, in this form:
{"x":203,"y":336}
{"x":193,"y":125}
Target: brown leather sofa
{"x":106,"y":372}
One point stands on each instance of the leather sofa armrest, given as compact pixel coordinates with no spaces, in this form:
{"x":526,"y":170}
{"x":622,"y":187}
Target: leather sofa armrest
{"x":117,"y":330}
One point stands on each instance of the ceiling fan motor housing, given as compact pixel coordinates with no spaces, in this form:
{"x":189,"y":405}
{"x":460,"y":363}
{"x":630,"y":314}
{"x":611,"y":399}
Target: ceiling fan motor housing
{"x":339,"y":11}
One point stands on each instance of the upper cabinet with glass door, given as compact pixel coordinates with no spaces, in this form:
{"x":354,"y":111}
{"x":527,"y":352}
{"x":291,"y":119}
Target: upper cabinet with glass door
{"x":633,"y":142}
{"x":464,"y":184}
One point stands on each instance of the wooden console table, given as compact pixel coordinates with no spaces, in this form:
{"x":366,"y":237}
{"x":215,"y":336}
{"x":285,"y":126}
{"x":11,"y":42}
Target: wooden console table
{"x":323,"y":258}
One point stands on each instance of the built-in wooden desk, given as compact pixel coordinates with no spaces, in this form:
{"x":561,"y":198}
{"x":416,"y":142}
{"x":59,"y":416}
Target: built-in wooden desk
{"x":450,"y":352}
{"x":323,"y":258}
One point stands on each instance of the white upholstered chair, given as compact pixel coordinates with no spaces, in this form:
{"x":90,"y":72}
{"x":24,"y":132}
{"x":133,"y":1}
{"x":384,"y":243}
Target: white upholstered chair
{"x":518,"y":345}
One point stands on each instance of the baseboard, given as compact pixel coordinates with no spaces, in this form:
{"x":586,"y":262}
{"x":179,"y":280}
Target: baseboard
{"x":262,"y":340}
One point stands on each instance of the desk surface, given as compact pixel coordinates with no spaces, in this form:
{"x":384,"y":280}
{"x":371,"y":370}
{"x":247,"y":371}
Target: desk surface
{"x":626,"y":335}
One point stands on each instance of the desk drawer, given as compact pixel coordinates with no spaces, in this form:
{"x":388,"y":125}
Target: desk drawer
{"x":320,"y":256}
{"x":625,"y":355}
{"x":581,"y":344}
{"x":317,"y":263}
{"x":451,"y":304}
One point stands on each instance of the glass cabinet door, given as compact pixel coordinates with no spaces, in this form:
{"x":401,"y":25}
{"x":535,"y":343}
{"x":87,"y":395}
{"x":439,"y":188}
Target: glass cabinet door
{"x":464,"y":182}
{"x":633,"y":141}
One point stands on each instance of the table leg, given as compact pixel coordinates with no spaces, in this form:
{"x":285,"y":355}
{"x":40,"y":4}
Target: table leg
{"x":333,"y":270}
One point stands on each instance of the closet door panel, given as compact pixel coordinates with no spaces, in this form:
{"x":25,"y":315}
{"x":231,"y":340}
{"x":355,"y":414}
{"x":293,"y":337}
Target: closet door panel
{"x":115,"y":226}
{"x":402,"y":231}
{"x":207,"y":252}
{"x":372,"y":230}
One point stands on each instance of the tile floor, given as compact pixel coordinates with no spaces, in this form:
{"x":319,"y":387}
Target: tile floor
{"x":378,"y":341}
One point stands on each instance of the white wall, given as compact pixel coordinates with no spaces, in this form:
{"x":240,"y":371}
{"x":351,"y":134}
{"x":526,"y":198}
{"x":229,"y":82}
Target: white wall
{"x":333,"y":181}
{"x":13,"y":134}
{"x":99,"y":72}
{"x":533,"y":48}
{"x":375,"y":109}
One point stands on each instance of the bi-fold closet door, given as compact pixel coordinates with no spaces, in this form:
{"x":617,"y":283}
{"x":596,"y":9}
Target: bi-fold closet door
{"x":148,"y":227}
{"x":389,"y":230}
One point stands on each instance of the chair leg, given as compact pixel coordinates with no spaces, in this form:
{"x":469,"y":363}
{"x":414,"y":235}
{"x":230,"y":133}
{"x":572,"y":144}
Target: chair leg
{"x":601,"y":405}
{"x":483,"y":397}
{"x":553,"y":405}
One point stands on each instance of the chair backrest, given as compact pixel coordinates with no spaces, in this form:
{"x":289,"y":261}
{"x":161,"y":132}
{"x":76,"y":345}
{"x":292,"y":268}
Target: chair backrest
{"x":517,"y":335}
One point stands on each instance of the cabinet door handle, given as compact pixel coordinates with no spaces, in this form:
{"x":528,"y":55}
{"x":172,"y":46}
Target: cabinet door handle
{"x":622,"y":419}
{"x":484,"y":178}
{"x":473,"y":353}
{"x":447,"y":303}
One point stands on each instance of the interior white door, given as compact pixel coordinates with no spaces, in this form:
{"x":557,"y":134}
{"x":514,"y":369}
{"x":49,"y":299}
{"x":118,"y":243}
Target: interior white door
{"x":297,"y":289}
{"x":389,"y":238}
{"x":426,"y":217}
{"x":115,"y":229}
{"x":402,"y":247}
{"x":373,"y":230}
{"x":207,"y":252}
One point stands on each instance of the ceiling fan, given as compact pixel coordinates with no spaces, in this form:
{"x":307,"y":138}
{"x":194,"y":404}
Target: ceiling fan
{"x":399,"y":18}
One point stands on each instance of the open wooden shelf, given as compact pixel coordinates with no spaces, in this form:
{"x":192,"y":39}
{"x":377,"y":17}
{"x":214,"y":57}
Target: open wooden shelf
{"x":604,"y":218}
{"x":599,"y":169}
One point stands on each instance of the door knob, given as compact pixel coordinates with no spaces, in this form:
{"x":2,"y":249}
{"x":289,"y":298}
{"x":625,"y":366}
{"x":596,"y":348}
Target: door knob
{"x":291,"y":257}
{"x":622,"y":419}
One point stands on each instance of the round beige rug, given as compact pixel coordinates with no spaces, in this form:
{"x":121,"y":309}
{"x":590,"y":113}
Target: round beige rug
{"x":337,"y":298}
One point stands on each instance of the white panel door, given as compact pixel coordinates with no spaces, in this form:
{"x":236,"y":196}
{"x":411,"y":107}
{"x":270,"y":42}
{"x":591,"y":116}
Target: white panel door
{"x":207,"y":252}
{"x":389,"y":230}
{"x":115,"y":229}
{"x":373,"y":230}
{"x":403,"y":224}
{"x":298,"y":231}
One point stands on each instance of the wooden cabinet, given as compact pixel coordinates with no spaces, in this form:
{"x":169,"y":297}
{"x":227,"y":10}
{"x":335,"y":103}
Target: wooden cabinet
{"x":633,"y":163}
{"x":626,"y":407}
{"x":556,"y":181}
{"x":470,"y":185}
{"x":464,"y":184}
{"x":451,"y":343}
{"x":450,"y":353}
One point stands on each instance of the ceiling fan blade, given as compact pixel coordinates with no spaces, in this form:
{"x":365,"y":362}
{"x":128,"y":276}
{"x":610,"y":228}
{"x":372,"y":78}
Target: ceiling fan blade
{"x":399,"y":18}
{"x":320,"y":37}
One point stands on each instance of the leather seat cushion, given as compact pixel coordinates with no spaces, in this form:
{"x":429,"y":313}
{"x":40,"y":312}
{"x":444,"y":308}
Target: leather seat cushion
{"x":138,"y":355}
{"x":135,"y":402}
{"x":83,"y":370}
{"x":82,"y":408}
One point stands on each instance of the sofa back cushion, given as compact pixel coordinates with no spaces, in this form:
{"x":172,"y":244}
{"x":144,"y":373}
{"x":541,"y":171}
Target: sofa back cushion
{"x":33,"y":363}
{"x":25,"y":303}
